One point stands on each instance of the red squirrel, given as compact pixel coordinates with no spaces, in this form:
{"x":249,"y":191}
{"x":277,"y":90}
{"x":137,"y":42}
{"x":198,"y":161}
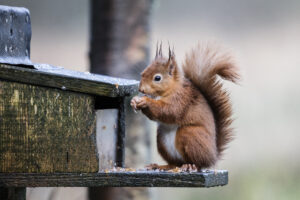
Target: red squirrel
{"x":192,"y":108}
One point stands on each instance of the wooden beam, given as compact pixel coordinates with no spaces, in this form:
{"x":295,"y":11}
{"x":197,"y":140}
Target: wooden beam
{"x":49,"y":76}
{"x":116,"y":179}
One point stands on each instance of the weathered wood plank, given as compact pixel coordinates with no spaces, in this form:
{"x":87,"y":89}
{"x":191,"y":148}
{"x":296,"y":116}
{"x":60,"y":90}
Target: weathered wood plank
{"x":46,"y":75}
{"x":46,"y":130}
{"x":116,"y":179}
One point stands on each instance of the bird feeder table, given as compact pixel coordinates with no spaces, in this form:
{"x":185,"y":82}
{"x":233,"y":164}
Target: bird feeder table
{"x":53,"y":123}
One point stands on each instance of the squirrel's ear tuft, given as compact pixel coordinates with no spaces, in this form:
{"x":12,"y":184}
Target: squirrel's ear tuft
{"x":171,"y":69}
{"x":172,"y":65}
{"x":158,"y":51}
{"x":171,"y":54}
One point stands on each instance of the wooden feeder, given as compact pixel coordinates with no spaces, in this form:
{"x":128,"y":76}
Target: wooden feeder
{"x":64,"y":128}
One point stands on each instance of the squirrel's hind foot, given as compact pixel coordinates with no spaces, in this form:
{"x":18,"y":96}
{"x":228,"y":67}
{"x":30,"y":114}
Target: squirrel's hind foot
{"x":189,"y":168}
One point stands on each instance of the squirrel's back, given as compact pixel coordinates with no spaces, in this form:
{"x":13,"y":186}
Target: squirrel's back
{"x":202,"y":67}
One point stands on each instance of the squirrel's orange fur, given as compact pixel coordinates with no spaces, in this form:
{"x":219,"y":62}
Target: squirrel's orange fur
{"x":190,"y":104}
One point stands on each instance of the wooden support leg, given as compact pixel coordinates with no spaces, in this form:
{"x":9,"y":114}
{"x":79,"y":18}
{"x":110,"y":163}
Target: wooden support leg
{"x":120,"y":151}
{"x":15,"y":193}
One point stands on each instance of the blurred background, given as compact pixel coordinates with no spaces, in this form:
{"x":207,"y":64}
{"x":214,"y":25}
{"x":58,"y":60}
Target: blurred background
{"x":264,"y":159}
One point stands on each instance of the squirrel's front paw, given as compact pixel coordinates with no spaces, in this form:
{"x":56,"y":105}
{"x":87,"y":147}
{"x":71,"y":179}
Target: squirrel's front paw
{"x":138,"y":103}
{"x":133,"y":102}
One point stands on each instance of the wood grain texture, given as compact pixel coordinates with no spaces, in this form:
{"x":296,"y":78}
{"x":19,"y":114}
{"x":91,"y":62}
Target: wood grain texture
{"x":46,"y":75}
{"x":116,"y":179}
{"x":46,"y":130}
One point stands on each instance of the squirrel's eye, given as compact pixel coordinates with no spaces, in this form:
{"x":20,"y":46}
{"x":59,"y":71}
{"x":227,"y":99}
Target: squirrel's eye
{"x":157,"y":78}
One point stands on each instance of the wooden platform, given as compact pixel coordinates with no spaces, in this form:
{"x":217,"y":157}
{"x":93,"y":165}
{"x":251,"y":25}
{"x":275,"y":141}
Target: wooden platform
{"x":116,"y":179}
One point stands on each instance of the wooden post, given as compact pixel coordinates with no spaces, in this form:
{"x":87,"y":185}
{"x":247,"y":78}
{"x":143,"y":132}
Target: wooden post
{"x":119,"y":46}
{"x":15,"y":34}
{"x":120,"y":151}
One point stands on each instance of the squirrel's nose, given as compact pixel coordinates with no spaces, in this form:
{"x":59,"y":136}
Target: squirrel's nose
{"x":141,"y":89}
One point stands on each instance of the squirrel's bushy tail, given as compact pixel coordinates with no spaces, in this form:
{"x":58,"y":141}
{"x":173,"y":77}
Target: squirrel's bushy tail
{"x":202,"y":66}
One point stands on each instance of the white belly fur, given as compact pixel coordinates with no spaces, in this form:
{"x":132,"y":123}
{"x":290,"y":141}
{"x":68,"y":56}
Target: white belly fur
{"x":168,"y":134}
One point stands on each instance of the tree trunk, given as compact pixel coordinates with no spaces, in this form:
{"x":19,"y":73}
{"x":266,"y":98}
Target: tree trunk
{"x":119,"y":46}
